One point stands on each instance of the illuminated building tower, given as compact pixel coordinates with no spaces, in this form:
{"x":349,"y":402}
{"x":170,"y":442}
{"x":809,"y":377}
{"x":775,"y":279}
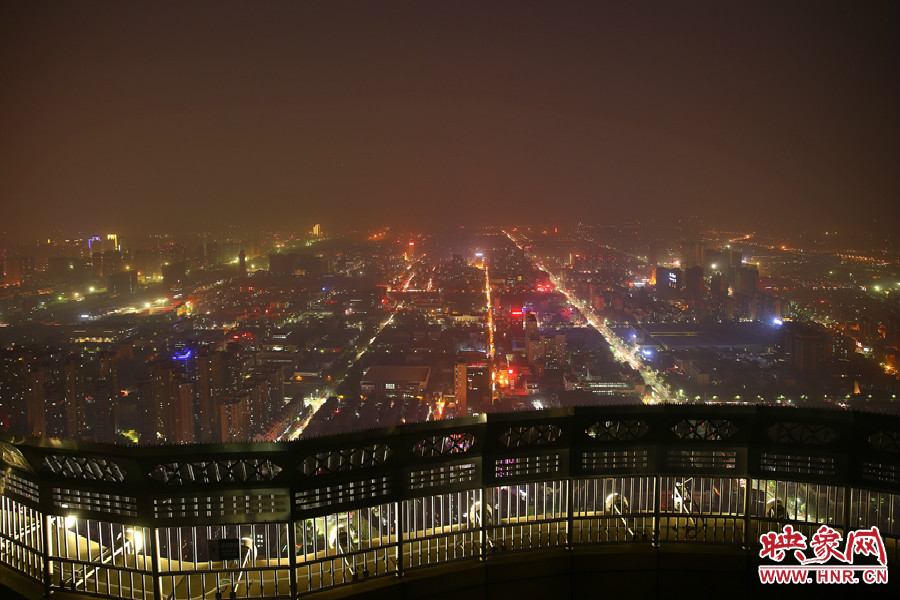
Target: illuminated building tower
{"x":108,"y":366}
{"x":146,"y":411}
{"x":260,"y":406}
{"x":55,"y":409}
{"x":76,"y":417}
{"x":545,"y":351}
{"x":805,"y":347}
{"x":460,"y":387}
{"x":163,"y":374}
{"x":555,"y":350}
{"x":668,"y":281}
{"x":478,"y":389}
{"x":16,"y":270}
{"x":747,"y":280}
{"x":242,"y":263}
{"x":180,"y":417}
{"x":317,"y":230}
{"x":105,"y":394}
{"x":531,"y":326}
{"x":12,"y":391}
{"x":97,"y":263}
{"x":275,"y":376}
{"x":210,"y":390}
{"x":234,"y":418}
{"x":174,"y":274}
{"x":693,"y":281}
{"x":717,"y":284}
{"x":122,"y":283}
{"x":693,"y":255}
{"x":174,"y":400}
{"x":35,"y":409}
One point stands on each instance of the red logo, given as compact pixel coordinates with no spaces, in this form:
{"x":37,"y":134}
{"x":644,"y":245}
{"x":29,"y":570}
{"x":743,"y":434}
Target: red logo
{"x":829,"y":562}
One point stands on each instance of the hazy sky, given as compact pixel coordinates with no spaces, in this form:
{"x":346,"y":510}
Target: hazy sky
{"x":188,"y":114}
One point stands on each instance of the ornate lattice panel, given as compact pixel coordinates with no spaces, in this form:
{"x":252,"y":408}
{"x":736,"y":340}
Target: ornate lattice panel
{"x":881,"y":472}
{"x":230,"y":505}
{"x":527,"y":466}
{"x":787,"y":432}
{"x":453,"y":474}
{"x":613,"y":460}
{"x":87,"y":468}
{"x":444,"y":445}
{"x":885,"y":439}
{"x":12,"y":484}
{"x":707,"y":430}
{"x":243,"y":470}
{"x":530,"y":435}
{"x":790,"y":463}
{"x":84,"y":500}
{"x":345,"y":493}
{"x":346,"y":459}
{"x":11,"y":456}
{"x":702,"y":459}
{"x":619,"y":431}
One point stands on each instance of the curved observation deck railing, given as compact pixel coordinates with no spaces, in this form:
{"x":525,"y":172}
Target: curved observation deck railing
{"x":280,"y":520}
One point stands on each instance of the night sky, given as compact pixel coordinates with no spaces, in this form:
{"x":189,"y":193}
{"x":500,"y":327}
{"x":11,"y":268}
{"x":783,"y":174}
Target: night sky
{"x":187,"y":115}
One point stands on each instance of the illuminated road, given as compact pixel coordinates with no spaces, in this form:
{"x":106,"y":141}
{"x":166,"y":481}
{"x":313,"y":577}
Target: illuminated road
{"x":622,"y":352}
{"x":296,"y":429}
{"x":490,"y":317}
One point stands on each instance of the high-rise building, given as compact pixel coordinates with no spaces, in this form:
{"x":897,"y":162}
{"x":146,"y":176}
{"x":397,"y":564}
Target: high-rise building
{"x":122,"y":282}
{"x":531,"y":325}
{"x":806,"y":347}
{"x":234,"y":418}
{"x":460,"y":387}
{"x":210,"y":392}
{"x":546,"y":351}
{"x":147,"y":419}
{"x":668,"y":282}
{"x":36,"y":378}
{"x":693,"y":281}
{"x":479,"y":397}
{"x":74,"y":397}
{"x":174,"y":274}
{"x":179,"y":420}
{"x":174,"y":403}
{"x":242,"y":263}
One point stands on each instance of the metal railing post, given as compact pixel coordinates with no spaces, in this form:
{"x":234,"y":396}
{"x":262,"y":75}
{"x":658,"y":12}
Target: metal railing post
{"x":657,"y":502}
{"x":154,"y":563}
{"x":481,"y":532}
{"x":401,"y":524}
{"x":746,"y":536}
{"x":46,"y":573}
{"x":848,"y":499}
{"x":292,"y":556}
{"x":570,"y":517}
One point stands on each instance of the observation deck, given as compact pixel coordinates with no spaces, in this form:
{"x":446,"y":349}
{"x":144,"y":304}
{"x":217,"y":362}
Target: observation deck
{"x":563,"y":500}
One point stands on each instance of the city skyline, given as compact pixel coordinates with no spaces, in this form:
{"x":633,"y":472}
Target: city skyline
{"x":178,"y":118}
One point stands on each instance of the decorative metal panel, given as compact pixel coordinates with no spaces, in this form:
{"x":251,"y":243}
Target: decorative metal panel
{"x":707,"y":430}
{"x":80,"y":467}
{"x":530,"y":435}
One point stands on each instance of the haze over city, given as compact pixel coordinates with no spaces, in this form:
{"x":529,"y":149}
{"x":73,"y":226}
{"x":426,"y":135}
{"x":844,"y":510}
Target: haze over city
{"x":449,"y":299}
{"x":178,"y":117}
